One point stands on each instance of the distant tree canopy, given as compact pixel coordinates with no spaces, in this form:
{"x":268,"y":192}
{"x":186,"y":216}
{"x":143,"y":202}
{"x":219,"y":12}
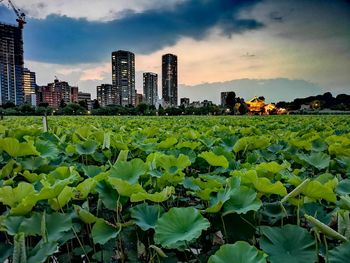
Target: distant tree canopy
{"x":231,"y":100}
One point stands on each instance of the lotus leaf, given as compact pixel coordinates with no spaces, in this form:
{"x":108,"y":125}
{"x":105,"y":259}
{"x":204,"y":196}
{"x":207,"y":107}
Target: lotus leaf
{"x":214,"y":160}
{"x":158,"y":197}
{"x":129,"y":171}
{"x":146,"y":216}
{"x":242,"y":201}
{"x":15,"y":149}
{"x":290,"y":244}
{"x":87,"y":147}
{"x":340,"y":254}
{"x":239,"y":252}
{"x":102,"y":232}
{"x":179,"y":226}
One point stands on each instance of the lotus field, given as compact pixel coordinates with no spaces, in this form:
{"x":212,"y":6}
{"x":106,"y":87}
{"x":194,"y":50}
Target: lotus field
{"x":175,"y":189}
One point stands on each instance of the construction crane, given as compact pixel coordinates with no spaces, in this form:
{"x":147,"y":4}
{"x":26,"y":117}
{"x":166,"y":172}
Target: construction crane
{"x":21,"y":17}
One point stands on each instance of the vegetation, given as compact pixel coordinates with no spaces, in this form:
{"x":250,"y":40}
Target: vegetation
{"x":175,"y":189}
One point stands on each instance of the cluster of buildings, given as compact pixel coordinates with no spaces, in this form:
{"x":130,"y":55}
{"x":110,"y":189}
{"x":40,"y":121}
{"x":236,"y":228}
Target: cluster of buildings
{"x":122,"y":91}
{"x":18,"y":84}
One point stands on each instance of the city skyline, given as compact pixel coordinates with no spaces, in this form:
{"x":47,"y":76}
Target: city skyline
{"x":298,"y":45}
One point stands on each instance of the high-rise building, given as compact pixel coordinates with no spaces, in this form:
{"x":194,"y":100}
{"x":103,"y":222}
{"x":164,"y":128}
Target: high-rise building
{"x":169,"y":80}
{"x":29,"y":86}
{"x":11,"y":64}
{"x":150,"y":88}
{"x":86,"y":98}
{"x":106,"y":95}
{"x":123,"y":77}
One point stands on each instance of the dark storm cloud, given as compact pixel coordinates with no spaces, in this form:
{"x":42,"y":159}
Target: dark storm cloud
{"x":60,"y":39}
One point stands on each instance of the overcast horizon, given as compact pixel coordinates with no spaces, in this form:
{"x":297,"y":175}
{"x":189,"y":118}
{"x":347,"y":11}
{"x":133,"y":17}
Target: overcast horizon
{"x":277,"y":49}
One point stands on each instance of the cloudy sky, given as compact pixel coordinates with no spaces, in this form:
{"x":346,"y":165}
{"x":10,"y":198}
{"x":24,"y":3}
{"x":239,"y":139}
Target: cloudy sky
{"x":281,"y":49}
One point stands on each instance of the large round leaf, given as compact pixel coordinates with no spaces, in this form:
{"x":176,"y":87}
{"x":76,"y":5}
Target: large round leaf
{"x":340,"y":254}
{"x":102,"y":232}
{"x":240,"y":252}
{"x":146,"y":216}
{"x":288,"y":244}
{"x":87,"y":147}
{"x":178,"y":226}
{"x":242,"y":201}
{"x":129,"y":171}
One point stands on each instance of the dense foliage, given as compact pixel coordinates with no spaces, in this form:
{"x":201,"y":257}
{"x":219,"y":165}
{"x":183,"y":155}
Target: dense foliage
{"x":175,"y":189}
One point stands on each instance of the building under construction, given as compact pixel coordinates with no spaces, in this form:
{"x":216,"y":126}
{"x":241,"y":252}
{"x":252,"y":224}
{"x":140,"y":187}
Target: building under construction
{"x":11,"y":60}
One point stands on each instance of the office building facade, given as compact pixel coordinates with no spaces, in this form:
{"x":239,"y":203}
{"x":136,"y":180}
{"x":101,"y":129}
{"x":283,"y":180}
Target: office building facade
{"x":123,"y":77}
{"x":169,"y":80}
{"x":107,"y":95}
{"x":29,"y":86}
{"x":150,"y":88}
{"x":11,"y":64}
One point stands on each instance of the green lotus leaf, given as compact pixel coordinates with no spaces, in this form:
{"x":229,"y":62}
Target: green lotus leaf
{"x":87,"y":147}
{"x":102,"y":232}
{"x":85,"y":215}
{"x":214,"y":160}
{"x":86,"y":187}
{"x":339,"y":150}
{"x":41,"y":252}
{"x":319,"y":160}
{"x":146,"y":216}
{"x":265,"y":186}
{"x":242,"y":201}
{"x":33,"y":163}
{"x":167,"y":143}
{"x":239,"y":252}
{"x":56,"y":225}
{"x":216,"y":202}
{"x":316,"y":190}
{"x":7,"y":169}
{"x":340,"y":254}
{"x":129,"y":171}
{"x":91,"y":170}
{"x":63,"y":173}
{"x":107,"y":194}
{"x":171,"y":164}
{"x":158,"y":197}
{"x":343,"y":187}
{"x":290,"y":244}
{"x":123,"y":156}
{"x":250,"y":143}
{"x":319,"y":145}
{"x":179,"y":226}
{"x":16,"y":224}
{"x":47,"y":149}
{"x":15,"y":149}
{"x":271,"y":167}
{"x":62,"y":199}
{"x":125,"y":188}
{"x":14,"y":196}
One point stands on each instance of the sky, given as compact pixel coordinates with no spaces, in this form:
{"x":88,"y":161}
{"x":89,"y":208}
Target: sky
{"x":279,"y":49}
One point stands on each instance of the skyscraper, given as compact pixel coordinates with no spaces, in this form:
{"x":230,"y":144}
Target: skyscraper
{"x":169,"y":80}
{"x":29,"y":86}
{"x":123,"y":77}
{"x":106,"y":95}
{"x":150,"y":88}
{"x":11,"y":64}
